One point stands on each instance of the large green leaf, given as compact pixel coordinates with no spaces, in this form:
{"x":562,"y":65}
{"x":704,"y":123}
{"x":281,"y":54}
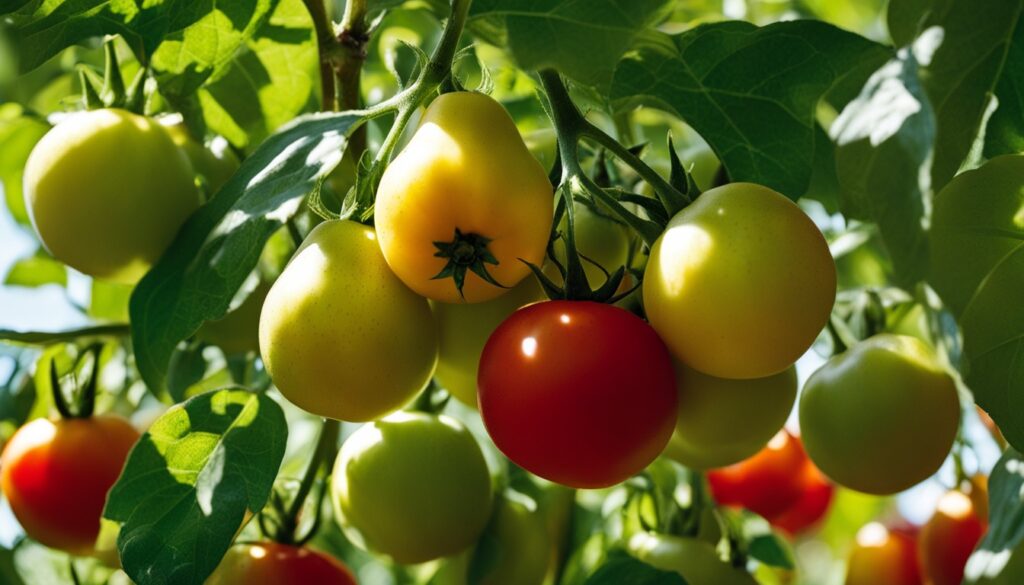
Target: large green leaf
{"x":1005,"y":131}
{"x":220,"y":244}
{"x":1000,"y":556}
{"x":884,"y":143}
{"x":189,"y":482}
{"x":583,"y":39}
{"x":964,"y":70}
{"x":751,"y":92}
{"x":977,"y":267}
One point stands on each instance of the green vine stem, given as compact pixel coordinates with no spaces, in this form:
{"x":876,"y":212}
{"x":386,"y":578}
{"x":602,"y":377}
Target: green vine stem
{"x":326,"y":43}
{"x":323,"y":454}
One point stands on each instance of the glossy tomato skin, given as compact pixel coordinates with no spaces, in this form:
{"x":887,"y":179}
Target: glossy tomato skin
{"x":340,"y":335}
{"x":883,"y":556}
{"x":816,"y":493}
{"x":272,"y":563}
{"x":107,"y":191}
{"x":723,"y":421}
{"x":950,"y":536}
{"x":767,"y":483}
{"x":465,"y":168}
{"x":56,"y":475}
{"x":463,"y":329}
{"x":579,"y":393}
{"x":696,"y":560}
{"x":412,"y":486}
{"x":740,"y":283}
{"x":880,"y":417}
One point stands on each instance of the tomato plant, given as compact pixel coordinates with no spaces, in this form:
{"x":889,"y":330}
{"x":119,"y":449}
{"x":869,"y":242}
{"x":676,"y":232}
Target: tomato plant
{"x":56,"y":474}
{"x":280,"y":564}
{"x":577,"y":417}
{"x":881,"y":416}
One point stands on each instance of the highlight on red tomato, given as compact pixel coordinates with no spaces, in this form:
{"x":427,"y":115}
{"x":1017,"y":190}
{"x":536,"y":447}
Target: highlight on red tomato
{"x":580,"y":393}
{"x":768,"y":483}
{"x":884,"y":556}
{"x":952,"y":533}
{"x":279,"y":564}
{"x":56,"y":474}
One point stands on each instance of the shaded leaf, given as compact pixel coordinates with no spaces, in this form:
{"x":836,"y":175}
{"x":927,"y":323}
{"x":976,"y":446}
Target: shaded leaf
{"x":622,"y":569}
{"x":1000,"y":556}
{"x":1005,"y":131}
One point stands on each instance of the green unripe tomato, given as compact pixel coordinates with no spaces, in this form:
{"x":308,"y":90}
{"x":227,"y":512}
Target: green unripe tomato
{"x":106,"y":191}
{"x":880,"y":417}
{"x":215,"y":165}
{"x":412,"y":486}
{"x":723,"y":421}
{"x":340,"y":335}
{"x":696,"y":560}
{"x":963,"y":255}
{"x":239,"y":330}
{"x":463,"y":330}
{"x":741,"y":282}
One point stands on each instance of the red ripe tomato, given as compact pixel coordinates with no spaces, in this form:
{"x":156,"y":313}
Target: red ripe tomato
{"x":767,"y":483}
{"x":279,"y":564}
{"x":949,"y":537}
{"x":810,"y":507}
{"x":579,"y":393}
{"x":56,"y":475}
{"x":883,"y":556}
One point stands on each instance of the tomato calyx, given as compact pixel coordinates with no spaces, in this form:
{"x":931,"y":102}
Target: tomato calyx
{"x":466,"y":252}
{"x":111,"y":92}
{"x":84,"y":395}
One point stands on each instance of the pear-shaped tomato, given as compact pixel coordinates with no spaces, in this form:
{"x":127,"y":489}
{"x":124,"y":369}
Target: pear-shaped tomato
{"x":107,"y":191}
{"x":412,"y":486}
{"x":56,"y":475}
{"x":465,"y":197}
{"x":340,"y":335}
{"x":881,"y":416}
{"x":723,"y":421}
{"x":741,"y":282}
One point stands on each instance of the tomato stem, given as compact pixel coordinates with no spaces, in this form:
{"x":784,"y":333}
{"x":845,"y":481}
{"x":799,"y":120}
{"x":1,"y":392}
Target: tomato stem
{"x":323,"y":454}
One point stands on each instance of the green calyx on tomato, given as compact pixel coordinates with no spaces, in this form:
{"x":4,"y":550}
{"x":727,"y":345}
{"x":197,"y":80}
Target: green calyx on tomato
{"x":279,"y":564}
{"x":340,"y":335}
{"x":723,"y":421}
{"x":412,"y":486}
{"x":465,"y":204}
{"x":56,"y":474}
{"x":882,"y":416}
{"x":740,"y":283}
{"x":577,"y":392}
{"x":107,"y":191}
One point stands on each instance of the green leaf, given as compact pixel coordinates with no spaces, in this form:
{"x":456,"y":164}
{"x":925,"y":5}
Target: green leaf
{"x":884,"y":143}
{"x":1000,"y":556}
{"x":725,"y":80}
{"x":220,"y":244}
{"x":582,"y":39}
{"x":18,"y":135}
{"x":108,"y":301}
{"x":188,"y":483}
{"x":622,"y":569}
{"x":963,"y":73}
{"x":977,"y":267}
{"x":270,"y":80}
{"x":8,"y":572}
{"x":36,"y":270}
{"x":1005,"y":131}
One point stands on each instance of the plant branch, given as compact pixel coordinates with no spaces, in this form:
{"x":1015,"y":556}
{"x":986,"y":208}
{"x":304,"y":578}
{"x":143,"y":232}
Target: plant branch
{"x":348,"y":65}
{"x":325,"y":45}
{"x":325,"y":451}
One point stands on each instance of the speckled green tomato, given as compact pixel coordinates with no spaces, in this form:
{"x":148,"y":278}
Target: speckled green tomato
{"x":696,"y":560}
{"x":214,"y":165}
{"x":279,"y":564}
{"x":412,"y":486}
{"x":723,"y":421}
{"x":740,"y":283}
{"x":107,"y":191}
{"x":239,"y":330}
{"x":881,"y":416}
{"x":340,"y":335}
{"x":962,"y":255}
{"x":463,"y":330}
